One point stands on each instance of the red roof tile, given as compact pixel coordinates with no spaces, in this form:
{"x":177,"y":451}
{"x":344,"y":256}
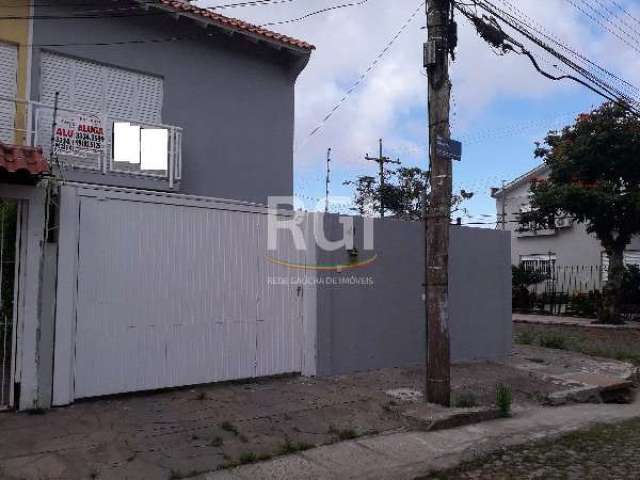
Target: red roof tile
{"x":234,"y":23}
{"x":14,"y":159}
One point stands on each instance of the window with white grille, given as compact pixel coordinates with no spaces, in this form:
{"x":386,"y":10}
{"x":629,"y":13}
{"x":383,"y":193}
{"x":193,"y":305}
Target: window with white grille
{"x":113,"y":96}
{"x":8,"y":91}
{"x":541,"y":263}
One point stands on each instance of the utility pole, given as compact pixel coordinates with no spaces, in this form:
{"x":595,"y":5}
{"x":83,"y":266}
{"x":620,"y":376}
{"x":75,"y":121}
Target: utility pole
{"x":441,"y":42}
{"x":504,"y":207}
{"x":381,"y":160}
{"x":328,"y":181}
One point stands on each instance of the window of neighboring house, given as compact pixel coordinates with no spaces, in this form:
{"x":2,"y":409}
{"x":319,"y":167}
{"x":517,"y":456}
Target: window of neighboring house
{"x":561,"y":222}
{"x":544,"y":263}
{"x":8,"y":91}
{"x":107,"y":116}
{"x":631,"y":257}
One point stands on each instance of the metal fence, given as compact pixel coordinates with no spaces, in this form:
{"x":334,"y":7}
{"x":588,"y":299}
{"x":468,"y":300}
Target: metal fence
{"x":77,"y":145}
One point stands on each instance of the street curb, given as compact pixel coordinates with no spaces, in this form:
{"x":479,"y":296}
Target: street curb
{"x":413,"y":455}
{"x":449,"y":420}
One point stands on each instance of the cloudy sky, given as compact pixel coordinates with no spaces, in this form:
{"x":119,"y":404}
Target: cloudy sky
{"x":501,"y":106}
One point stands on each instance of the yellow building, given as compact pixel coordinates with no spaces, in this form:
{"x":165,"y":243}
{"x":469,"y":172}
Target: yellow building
{"x":15,"y":61}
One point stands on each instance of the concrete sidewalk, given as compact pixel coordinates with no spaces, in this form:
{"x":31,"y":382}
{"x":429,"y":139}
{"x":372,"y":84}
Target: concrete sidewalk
{"x":416,"y":454}
{"x":534,"y":319}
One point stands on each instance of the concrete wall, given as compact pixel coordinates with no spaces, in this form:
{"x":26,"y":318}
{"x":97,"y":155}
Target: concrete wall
{"x":233,"y":98}
{"x":362,"y":327}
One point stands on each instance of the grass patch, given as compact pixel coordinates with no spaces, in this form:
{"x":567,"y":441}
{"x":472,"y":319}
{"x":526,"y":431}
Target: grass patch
{"x":554,"y":341}
{"x":247,"y":457}
{"x":615,"y":348}
{"x":617,"y":353}
{"x":526,"y":337}
{"x":289,"y":447}
{"x":343,"y":434}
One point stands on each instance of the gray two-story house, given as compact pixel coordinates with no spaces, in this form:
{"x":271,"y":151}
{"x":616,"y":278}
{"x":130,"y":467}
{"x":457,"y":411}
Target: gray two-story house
{"x":216,"y":94}
{"x":140,"y":141}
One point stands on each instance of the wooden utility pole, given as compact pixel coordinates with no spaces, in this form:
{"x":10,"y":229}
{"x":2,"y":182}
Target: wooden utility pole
{"x":381,"y":161}
{"x":328,"y":181}
{"x":438,"y":213}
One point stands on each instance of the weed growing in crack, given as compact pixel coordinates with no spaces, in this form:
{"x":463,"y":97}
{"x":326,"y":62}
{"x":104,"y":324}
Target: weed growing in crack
{"x":289,"y":447}
{"x":504,"y":398}
{"x":247,"y":457}
{"x":202,"y":396}
{"x":229,"y":427}
{"x":217,"y":442}
{"x":343,"y":434}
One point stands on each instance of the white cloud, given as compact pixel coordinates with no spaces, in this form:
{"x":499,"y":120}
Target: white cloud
{"x":349,"y":39}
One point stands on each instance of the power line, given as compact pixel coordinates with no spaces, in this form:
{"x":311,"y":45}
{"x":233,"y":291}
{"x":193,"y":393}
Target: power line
{"x":316,"y":12}
{"x":256,"y":3}
{"x":525,"y":19}
{"x":602,"y":25}
{"x":371,"y":66}
{"x":608,"y":17}
{"x":623,"y":10}
{"x":491,"y":31}
{"x":527,"y":24}
{"x":609,"y":11}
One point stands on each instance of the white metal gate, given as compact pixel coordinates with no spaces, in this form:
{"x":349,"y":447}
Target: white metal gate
{"x":171,"y":295}
{"x":8,"y":91}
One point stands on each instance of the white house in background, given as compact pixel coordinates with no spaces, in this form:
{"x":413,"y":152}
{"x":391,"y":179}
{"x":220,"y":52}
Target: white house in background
{"x":564,"y":247}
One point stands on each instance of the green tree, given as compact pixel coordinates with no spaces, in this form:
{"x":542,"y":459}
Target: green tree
{"x":403,"y":195}
{"x":594,"y":179}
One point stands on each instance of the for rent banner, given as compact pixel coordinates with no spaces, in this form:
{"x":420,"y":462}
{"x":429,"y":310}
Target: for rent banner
{"x":78,"y":135}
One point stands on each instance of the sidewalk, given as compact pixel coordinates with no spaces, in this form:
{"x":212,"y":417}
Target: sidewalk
{"x":184,"y":432}
{"x":416,"y":454}
{"x":570,"y":321}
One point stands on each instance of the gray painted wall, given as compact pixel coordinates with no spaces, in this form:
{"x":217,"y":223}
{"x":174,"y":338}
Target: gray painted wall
{"x":383,"y":325}
{"x":233,"y":98}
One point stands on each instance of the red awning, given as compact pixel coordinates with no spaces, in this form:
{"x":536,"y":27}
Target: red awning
{"x":20,"y":161}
